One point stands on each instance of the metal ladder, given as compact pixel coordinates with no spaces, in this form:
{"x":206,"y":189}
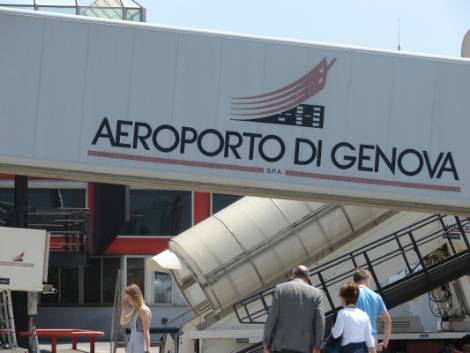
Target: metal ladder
{"x":407,"y":246}
{"x":7,"y":322}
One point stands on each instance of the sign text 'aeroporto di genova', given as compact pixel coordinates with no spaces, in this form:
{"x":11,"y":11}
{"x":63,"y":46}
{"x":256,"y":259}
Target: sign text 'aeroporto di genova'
{"x":285,"y":107}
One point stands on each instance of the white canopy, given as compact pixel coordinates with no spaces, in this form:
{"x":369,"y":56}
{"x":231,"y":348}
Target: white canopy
{"x":164,"y":262}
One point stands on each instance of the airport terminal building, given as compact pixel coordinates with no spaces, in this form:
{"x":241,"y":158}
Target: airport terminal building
{"x":84,"y":264}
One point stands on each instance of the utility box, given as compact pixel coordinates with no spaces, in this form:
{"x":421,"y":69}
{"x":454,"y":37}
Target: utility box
{"x":24,"y":258}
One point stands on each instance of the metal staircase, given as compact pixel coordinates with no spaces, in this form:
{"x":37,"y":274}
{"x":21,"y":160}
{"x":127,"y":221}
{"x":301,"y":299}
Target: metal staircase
{"x":405,"y":249}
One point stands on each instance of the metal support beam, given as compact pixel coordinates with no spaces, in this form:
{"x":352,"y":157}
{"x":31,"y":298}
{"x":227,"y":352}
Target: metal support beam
{"x":20,"y":299}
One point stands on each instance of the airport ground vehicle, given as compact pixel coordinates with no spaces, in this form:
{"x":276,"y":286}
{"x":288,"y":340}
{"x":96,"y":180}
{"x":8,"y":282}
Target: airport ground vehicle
{"x":226,"y":268}
{"x":257,"y":116}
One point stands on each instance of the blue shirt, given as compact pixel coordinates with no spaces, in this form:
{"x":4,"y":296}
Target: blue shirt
{"x":372,"y":304}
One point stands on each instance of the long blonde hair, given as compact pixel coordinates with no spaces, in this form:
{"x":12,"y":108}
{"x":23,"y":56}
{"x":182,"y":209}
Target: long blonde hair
{"x":135,"y":293}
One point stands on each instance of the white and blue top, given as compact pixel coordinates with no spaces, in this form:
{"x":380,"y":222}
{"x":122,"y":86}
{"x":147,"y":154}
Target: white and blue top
{"x":354,"y":325}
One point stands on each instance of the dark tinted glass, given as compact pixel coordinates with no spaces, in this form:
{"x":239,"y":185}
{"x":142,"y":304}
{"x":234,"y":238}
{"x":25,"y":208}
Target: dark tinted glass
{"x":69,"y":286}
{"x":57,"y":198}
{"x":92,"y":281}
{"x":220,"y":201}
{"x":110,"y":269}
{"x":135,"y":272}
{"x":155,"y":212}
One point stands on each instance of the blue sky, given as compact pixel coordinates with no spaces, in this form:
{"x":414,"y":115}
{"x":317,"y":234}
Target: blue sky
{"x":427,"y":26}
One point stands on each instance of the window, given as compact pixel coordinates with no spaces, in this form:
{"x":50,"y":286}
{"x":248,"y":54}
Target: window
{"x":7,"y":195}
{"x":96,"y":281}
{"x":47,"y":198}
{"x":136,"y":272}
{"x":158,"y":212}
{"x":162,"y":287}
{"x":69,"y":285}
{"x":57,"y":198}
{"x":165,"y":290}
{"x":110,"y":271}
{"x":220,"y":201}
{"x":92,"y":282}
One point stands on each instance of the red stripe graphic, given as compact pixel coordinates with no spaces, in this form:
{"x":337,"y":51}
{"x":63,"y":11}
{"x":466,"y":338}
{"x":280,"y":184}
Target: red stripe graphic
{"x":402,"y":184}
{"x":133,"y":157}
{"x":286,"y":97}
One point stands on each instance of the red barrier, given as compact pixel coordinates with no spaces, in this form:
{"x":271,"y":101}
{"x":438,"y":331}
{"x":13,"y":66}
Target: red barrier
{"x":73,"y":333}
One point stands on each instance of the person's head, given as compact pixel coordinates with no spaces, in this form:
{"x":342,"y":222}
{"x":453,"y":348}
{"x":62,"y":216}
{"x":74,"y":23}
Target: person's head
{"x":349,"y":293}
{"x":361,"y":276}
{"x":133,"y":295}
{"x":301,"y":272}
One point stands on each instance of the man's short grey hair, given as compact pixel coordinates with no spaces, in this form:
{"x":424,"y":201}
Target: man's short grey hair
{"x":301,"y":271}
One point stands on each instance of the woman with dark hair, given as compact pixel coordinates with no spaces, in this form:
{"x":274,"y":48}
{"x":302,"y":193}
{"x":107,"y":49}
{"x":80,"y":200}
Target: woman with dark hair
{"x":353,"y":324}
{"x":140,"y":317}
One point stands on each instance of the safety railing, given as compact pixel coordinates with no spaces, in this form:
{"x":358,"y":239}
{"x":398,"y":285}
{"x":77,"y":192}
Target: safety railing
{"x":68,"y":226}
{"x":404,"y":249}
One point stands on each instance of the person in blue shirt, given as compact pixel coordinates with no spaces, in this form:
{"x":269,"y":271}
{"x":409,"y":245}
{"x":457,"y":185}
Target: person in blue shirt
{"x":373,"y":304}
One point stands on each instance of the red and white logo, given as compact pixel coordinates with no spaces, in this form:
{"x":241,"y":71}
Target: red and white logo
{"x":286,"y":105}
{"x":19,"y":257}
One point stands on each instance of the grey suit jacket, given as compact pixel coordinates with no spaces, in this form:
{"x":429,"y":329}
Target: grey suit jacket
{"x":296,"y":320}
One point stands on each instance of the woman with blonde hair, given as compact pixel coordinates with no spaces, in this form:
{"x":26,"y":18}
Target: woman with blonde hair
{"x":140,"y":317}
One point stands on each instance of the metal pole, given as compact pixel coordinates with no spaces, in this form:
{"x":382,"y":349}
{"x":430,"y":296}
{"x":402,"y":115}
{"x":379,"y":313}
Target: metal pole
{"x":20,"y":299}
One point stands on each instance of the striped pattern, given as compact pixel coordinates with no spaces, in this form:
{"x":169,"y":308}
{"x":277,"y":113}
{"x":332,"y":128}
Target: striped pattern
{"x":284,"y":98}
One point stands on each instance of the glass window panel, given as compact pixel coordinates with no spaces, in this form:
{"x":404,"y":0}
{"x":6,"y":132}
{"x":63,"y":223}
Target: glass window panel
{"x":107,"y":3}
{"x":113,"y":13}
{"x":130,"y":4}
{"x":220,"y":201}
{"x":30,"y":8}
{"x":63,"y":10}
{"x":69,"y":286}
{"x":162,"y":287}
{"x":135,"y":272}
{"x":91,"y":282}
{"x":155,"y":212}
{"x":16,"y":2}
{"x":7,"y":195}
{"x":7,"y":203}
{"x":86,"y":3}
{"x":57,"y":198}
{"x":52,"y":278}
{"x":110,"y":269}
{"x":134,"y":15}
{"x":69,"y":3}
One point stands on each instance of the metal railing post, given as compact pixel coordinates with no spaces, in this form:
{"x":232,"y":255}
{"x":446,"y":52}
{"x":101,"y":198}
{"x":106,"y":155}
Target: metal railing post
{"x":462,"y":231}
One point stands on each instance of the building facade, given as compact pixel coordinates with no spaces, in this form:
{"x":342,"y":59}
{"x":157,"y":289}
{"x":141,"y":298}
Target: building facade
{"x":85,"y":278}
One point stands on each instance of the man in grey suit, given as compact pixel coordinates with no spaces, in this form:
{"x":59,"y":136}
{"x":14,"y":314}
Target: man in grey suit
{"x":296,"y":322}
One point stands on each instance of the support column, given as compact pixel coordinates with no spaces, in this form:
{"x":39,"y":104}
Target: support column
{"x":20,"y":299}
{"x":202,"y":206}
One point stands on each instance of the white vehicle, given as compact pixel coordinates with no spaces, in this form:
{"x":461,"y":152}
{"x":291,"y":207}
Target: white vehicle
{"x":169,"y":107}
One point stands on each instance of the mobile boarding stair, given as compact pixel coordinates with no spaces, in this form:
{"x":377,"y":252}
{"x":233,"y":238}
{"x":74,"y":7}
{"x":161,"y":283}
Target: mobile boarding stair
{"x":405,"y":249}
